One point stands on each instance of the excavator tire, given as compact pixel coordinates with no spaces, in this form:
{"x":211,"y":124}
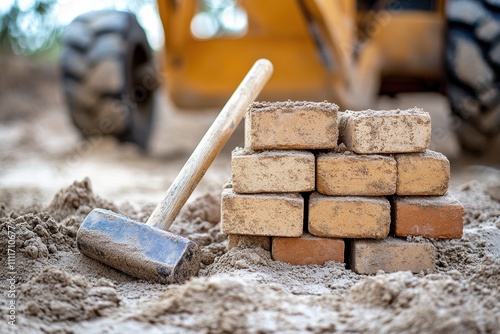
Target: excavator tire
{"x":473,"y":70}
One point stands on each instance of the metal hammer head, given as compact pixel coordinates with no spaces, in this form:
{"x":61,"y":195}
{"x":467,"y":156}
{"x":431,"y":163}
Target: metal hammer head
{"x":137,"y":249}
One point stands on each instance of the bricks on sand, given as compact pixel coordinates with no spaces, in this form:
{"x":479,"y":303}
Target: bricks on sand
{"x":298,"y":194}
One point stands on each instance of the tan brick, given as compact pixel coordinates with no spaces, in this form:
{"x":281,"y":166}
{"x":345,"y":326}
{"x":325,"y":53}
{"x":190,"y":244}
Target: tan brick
{"x":349,"y":217}
{"x":353,"y":174}
{"x":390,"y":255}
{"x":393,"y":131}
{"x":291,"y":125}
{"x":272,"y":171}
{"x":262,"y":214}
{"x":426,"y":173}
{"x":248,"y":241}
{"x":428,"y":216}
{"x":307,"y":249}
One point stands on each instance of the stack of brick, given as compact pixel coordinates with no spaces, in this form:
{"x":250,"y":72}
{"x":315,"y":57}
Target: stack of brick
{"x":296,"y":193}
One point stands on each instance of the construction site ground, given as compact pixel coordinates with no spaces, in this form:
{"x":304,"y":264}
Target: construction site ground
{"x":50,"y":179}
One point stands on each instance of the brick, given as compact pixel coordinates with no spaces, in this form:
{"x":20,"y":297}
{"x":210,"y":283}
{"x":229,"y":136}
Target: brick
{"x":262,"y":214}
{"x":426,"y":173}
{"x":393,"y":131}
{"x":248,"y":241}
{"x":291,"y":125}
{"x":390,"y":255}
{"x":428,"y":216}
{"x":307,"y":249}
{"x":349,"y":217}
{"x":272,"y":171}
{"x":353,"y":174}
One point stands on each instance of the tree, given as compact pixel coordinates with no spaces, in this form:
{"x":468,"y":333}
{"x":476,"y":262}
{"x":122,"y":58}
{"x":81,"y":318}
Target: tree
{"x":28,"y":26}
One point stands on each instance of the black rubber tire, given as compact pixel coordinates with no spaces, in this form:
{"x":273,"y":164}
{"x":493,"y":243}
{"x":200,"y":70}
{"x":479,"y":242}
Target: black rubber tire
{"x":108,"y":76}
{"x":473,"y":70}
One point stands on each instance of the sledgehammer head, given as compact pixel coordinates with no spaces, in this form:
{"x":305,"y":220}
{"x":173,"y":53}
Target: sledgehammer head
{"x":137,"y":249}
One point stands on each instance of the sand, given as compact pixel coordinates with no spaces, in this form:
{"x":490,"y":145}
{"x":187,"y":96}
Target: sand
{"x":58,"y":290}
{"x":244,"y":290}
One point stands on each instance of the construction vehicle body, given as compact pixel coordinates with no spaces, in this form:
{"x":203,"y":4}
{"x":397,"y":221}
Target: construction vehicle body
{"x":321,"y":49}
{"x":344,"y":51}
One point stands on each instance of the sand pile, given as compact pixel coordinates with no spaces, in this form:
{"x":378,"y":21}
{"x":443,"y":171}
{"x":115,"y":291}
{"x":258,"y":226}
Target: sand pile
{"x":482,"y":206}
{"x":43,"y":234}
{"x":38,"y":234}
{"x":244,"y":290}
{"x":54,"y":295}
{"x":393,"y":303}
{"x":76,"y":200}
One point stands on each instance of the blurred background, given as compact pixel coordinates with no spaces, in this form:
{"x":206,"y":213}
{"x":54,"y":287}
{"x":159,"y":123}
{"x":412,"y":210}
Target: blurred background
{"x":35,"y":27}
{"x":52,"y":129}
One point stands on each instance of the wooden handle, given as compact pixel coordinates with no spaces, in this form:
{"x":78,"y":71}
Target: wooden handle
{"x":210,"y":145}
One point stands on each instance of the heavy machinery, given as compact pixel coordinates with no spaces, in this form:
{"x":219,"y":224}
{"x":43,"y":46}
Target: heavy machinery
{"x":345,"y":51}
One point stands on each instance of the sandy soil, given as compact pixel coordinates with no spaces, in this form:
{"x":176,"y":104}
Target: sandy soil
{"x":50,"y":180}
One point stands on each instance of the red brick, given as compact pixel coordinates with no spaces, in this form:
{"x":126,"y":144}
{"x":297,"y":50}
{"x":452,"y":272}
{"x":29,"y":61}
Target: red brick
{"x":307,"y":250}
{"x":428,"y":216}
{"x":390,"y":255}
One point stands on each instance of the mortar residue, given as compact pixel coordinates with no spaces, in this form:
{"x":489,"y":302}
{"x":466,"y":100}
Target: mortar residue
{"x":289,"y":106}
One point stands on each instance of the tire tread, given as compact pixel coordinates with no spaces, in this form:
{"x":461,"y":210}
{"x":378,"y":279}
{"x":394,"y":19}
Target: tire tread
{"x":474,"y":91}
{"x":91,"y":39}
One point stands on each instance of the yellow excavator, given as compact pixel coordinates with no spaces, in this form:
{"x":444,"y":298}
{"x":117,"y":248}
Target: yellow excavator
{"x":344,"y":51}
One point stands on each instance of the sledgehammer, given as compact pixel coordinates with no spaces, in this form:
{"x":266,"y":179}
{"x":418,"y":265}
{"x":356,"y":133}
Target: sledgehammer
{"x":148,"y":251}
